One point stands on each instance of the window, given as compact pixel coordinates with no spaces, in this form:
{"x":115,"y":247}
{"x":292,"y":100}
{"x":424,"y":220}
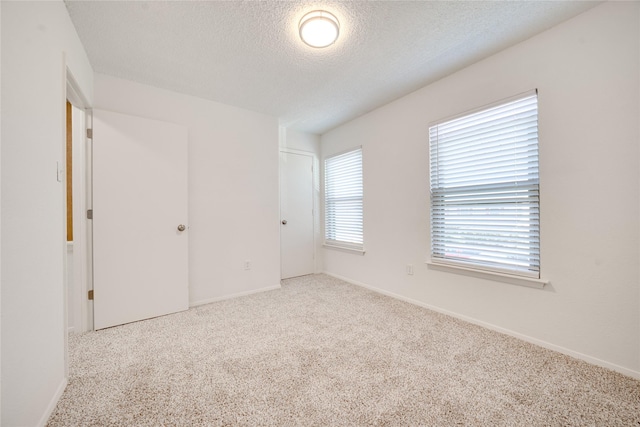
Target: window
{"x":484,"y":189}
{"x":343,"y":200}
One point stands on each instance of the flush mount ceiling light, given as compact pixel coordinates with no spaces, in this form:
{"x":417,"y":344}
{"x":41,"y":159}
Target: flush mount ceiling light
{"x":319,"y":28}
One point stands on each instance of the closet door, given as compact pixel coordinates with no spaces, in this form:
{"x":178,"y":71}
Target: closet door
{"x":297,"y":252}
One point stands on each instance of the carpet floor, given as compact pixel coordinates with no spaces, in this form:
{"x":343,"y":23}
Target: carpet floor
{"x":321,"y":352}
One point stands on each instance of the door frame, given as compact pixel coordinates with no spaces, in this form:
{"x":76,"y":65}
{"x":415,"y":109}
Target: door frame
{"x":82,"y":263}
{"x":315,"y":197}
{"x":82,"y":270}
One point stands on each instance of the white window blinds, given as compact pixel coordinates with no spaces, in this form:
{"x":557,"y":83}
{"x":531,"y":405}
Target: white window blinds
{"x":484,"y":189}
{"x":343,"y":200}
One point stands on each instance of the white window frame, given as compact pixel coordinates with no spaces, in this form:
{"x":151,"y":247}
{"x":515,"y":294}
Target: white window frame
{"x":444,"y":237}
{"x":350,"y":226}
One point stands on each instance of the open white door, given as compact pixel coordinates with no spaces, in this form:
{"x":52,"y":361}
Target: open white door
{"x":140,"y":256}
{"x":296,"y":211}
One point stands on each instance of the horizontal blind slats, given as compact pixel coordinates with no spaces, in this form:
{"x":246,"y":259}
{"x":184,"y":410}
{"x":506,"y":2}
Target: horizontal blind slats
{"x":519,"y":130}
{"x":343,"y":199}
{"x":484,"y":188}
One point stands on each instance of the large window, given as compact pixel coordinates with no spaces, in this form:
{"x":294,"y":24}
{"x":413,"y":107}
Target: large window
{"x":484,"y":189}
{"x":343,"y":200}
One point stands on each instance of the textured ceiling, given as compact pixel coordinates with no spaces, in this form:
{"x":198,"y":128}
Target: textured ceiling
{"x":248,"y":53}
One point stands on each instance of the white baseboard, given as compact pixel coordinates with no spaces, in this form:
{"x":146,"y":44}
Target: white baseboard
{"x":240,"y":294}
{"x":71,"y":330}
{"x":589,"y":359}
{"x":52,"y":404}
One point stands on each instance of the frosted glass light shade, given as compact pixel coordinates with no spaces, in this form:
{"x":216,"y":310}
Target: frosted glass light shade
{"x":319,"y":28}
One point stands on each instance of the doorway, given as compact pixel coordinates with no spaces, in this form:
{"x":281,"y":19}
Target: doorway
{"x":75,"y":177}
{"x":77,"y":198}
{"x":72,"y":171}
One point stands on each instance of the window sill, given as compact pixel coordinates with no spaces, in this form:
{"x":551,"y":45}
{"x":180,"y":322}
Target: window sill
{"x":489,"y":275}
{"x":344,"y":249}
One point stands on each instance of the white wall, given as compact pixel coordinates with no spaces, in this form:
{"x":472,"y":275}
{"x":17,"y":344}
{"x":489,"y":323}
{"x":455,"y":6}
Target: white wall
{"x":72,"y":292}
{"x":293,"y":139}
{"x":0,"y":221}
{"x":233,"y":186}
{"x":587,"y":73}
{"x":36,"y":38}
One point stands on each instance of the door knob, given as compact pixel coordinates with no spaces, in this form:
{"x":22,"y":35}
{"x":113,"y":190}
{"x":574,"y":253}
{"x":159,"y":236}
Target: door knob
{"x":181,"y":227}
{"x":284,"y":222}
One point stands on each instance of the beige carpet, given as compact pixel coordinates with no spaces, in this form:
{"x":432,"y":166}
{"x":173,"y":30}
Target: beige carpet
{"x":325,"y":353}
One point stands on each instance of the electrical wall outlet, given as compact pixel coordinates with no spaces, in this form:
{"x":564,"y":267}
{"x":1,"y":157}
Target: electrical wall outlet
{"x":410,"y":269}
{"x":247,"y":265}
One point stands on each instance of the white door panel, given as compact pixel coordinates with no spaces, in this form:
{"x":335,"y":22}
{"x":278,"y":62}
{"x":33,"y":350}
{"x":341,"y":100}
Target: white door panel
{"x":139,"y":199}
{"x":296,"y":210}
